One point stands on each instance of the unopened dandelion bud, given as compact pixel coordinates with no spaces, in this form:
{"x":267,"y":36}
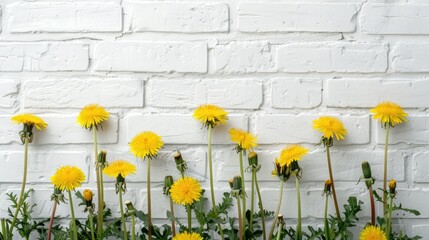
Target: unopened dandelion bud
{"x":366,"y":169}
{"x":280,"y":220}
{"x":328,"y":186}
{"x":129,"y":205}
{"x":392,"y":186}
{"x":180,"y":163}
{"x":102,"y":158}
{"x":168,"y":182}
{"x":236,"y":186}
{"x":88,"y":195}
{"x":253,"y":159}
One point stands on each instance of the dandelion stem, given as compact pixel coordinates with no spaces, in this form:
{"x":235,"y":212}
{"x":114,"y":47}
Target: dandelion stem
{"x":121,"y":207}
{"x":371,"y":199}
{"x":252,"y":199}
{"x":389,"y":220}
{"x":73,"y":217}
{"x":211,"y":179}
{"x":99,"y":189}
{"x":91,"y":224}
{"x":149,"y":207}
{"x":279,"y":232}
{"x":298,"y":235}
{"x":386,"y":144}
{"x":325,"y":222}
{"x":173,"y":224}
{"x":331,"y":177}
{"x":243,"y":187}
{"x":240,"y":219}
{"x":133,"y":227}
{"x":188,"y":209}
{"x":261,"y":208}
{"x":4,"y":229}
{"x":51,"y":221}
{"x":270,"y":236}
{"x":24,"y":181}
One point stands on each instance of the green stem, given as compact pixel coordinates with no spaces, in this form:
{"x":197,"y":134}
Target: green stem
{"x":243,"y":187}
{"x":188,"y":209}
{"x":389,"y":220}
{"x":279,"y":232}
{"x":211,"y":179}
{"x":4,"y":229}
{"x":173,"y":225}
{"x":73,"y":217}
{"x":371,"y":199}
{"x":51,"y":221}
{"x":331,"y":177}
{"x":325,"y":222}
{"x":91,"y":224}
{"x":133,"y":227}
{"x":270,"y":236}
{"x":261,"y":208}
{"x":298,"y":235}
{"x":99,"y":189}
{"x":149,"y":207}
{"x":240,"y":219}
{"x":252,"y":199}
{"x":386,"y":144}
{"x":24,"y":181}
{"x":121,"y":207}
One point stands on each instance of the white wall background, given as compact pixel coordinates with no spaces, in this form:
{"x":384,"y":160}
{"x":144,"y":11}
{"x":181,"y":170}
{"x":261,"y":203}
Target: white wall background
{"x":274,"y":65}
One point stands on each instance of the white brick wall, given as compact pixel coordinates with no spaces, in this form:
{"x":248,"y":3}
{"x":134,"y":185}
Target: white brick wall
{"x":274,"y":65}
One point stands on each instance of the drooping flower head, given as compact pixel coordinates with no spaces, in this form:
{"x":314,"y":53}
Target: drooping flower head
{"x":30,"y":120}
{"x":290,"y":154}
{"x":330,"y":127}
{"x":186,"y":191}
{"x":245,"y":140}
{"x":146,"y":144}
{"x":389,"y":113}
{"x":210,"y":115}
{"x":92,"y":116}
{"x":68,"y":178}
{"x":188,"y":236}
{"x":372,"y":233}
{"x":120,"y":168}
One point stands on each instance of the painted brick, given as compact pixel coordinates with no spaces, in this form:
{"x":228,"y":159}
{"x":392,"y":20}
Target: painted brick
{"x":370,"y":92}
{"x":296,"y":93}
{"x":182,"y":129}
{"x":300,"y":17}
{"x":151,"y":57}
{"x":410,"y":57}
{"x":235,"y":94}
{"x":76,"y":93}
{"x":415,"y":131}
{"x":49,"y":57}
{"x":41,"y":165}
{"x":345,"y":164}
{"x":274,"y":129}
{"x":8,"y":93}
{"x":185,"y":17}
{"x":55,"y":17}
{"x":421,"y":161}
{"x":332,"y":57}
{"x":9,"y":132}
{"x":244,"y":57}
{"x":404,"y":18}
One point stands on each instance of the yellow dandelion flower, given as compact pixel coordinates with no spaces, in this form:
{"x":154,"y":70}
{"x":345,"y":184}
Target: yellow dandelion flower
{"x":146,"y":144}
{"x":29,"y":120}
{"x":290,"y":154}
{"x":245,"y":140}
{"x":186,"y":191}
{"x":372,"y":233}
{"x":87,"y":195}
{"x":68,"y":178}
{"x":92,"y":115}
{"x":330,"y":127}
{"x":187,"y":236}
{"x":210,"y":115}
{"x":389,"y":113}
{"x":119,"y":167}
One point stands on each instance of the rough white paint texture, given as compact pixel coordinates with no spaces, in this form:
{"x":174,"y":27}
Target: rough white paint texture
{"x":49,"y":57}
{"x":57,"y":17}
{"x":176,"y":17}
{"x":292,"y":17}
{"x":151,"y":57}
{"x":275,"y":66}
{"x":401,"y":18}
{"x":369,"y":92}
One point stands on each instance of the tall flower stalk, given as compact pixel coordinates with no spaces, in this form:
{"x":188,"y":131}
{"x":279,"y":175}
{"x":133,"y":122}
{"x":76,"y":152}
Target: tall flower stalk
{"x":91,"y":117}
{"x":392,"y":194}
{"x":132,"y":212}
{"x":68,"y":178}
{"x":389,"y":114}
{"x":369,"y":181}
{"x":245,"y":142}
{"x":146,"y":145}
{"x":327,"y":193}
{"x":330,"y":127}
{"x":120,"y":169}
{"x":254,"y":168}
{"x":168,"y":182}
{"x":56,"y":197}
{"x":236,"y":191}
{"x":211,"y":116}
{"x":87,"y":196}
{"x":28,"y":121}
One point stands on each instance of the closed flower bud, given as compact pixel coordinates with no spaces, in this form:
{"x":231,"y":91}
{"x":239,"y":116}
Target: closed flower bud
{"x":168,"y":182}
{"x":180,"y":163}
{"x":88,"y":195}
{"x":253,"y":159}
{"x":102,"y":158}
{"x":129,"y":205}
{"x":328,"y":185}
{"x":366,"y":169}
{"x":236,"y":186}
{"x":392,"y":187}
